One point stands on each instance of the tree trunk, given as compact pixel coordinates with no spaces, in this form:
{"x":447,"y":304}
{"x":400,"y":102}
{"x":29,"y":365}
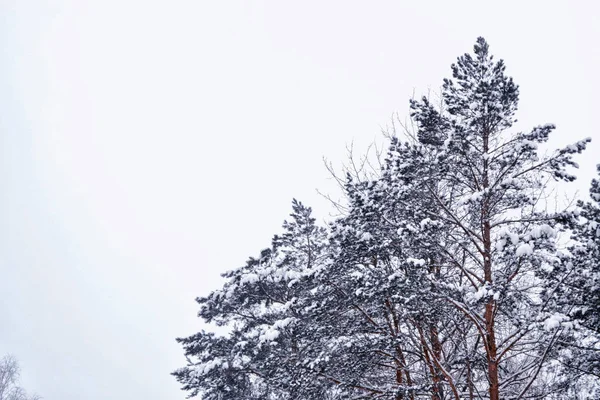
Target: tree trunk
{"x":437,"y":353}
{"x":488,"y":276}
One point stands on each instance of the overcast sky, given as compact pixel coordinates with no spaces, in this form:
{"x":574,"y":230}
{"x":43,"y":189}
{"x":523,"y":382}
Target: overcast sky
{"x":148,"y":146}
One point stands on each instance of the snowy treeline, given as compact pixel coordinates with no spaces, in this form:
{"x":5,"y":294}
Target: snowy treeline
{"x":447,"y":277}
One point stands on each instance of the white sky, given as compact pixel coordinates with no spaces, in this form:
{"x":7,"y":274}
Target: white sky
{"x":148,"y":146}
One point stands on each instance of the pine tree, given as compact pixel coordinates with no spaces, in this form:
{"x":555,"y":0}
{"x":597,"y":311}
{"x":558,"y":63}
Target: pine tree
{"x":489,"y":191}
{"x":267,"y":307}
{"x":444,"y":279}
{"x":577,"y":291}
{"x":586,"y":284}
{"x":390,"y":338}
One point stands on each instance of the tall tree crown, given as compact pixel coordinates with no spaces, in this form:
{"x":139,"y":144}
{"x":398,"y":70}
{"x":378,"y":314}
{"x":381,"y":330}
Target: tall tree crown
{"x":480,"y":93}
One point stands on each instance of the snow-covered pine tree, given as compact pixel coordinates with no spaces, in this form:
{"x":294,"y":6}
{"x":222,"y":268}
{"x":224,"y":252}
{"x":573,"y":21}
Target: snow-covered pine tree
{"x":577,"y":290}
{"x":389,"y":330}
{"x":491,"y":192}
{"x":584,"y":285}
{"x":443,"y":280}
{"x":267,"y":308}
{"x":456,"y":220}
